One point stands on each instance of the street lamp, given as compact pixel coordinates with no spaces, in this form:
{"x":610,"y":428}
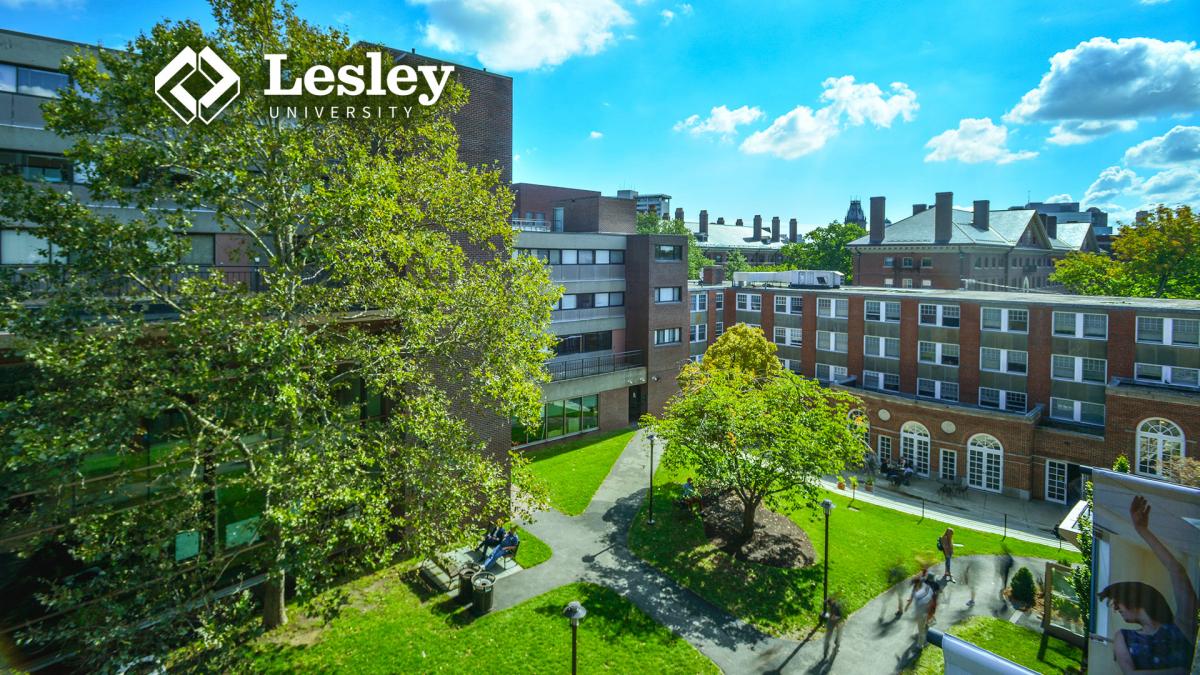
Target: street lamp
{"x":574,"y":611}
{"x":827,"y":506}
{"x":651,"y":436}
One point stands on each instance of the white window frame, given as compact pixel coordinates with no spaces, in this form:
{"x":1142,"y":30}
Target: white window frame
{"x":937,"y":389}
{"x":881,"y":310}
{"x":834,"y":308}
{"x":833,"y":372}
{"x":1002,"y":400}
{"x":1077,"y":414}
{"x":698,"y":333}
{"x":884,"y":452}
{"x":943,"y":455}
{"x":920,"y":446}
{"x":1005,"y":320}
{"x":791,"y":364}
{"x":1050,"y":495}
{"x":780,"y":300}
{"x":827,"y":341}
{"x":699,"y":302}
{"x":938,"y":355}
{"x":939,"y":315}
{"x":749,"y":302}
{"x":884,"y":341}
{"x":796,"y":305}
{"x":1159,"y":440}
{"x":1168,"y":375}
{"x":874,"y":379}
{"x":1004,"y":361}
{"x":719,"y":300}
{"x":719,"y":329}
{"x":1078,"y":333}
{"x":677,"y":332}
{"x":977,"y":458}
{"x":1168,"y":331}
{"x":1078,"y":377}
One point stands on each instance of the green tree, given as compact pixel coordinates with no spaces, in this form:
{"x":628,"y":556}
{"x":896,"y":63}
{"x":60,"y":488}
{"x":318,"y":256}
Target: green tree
{"x":825,"y":248}
{"x":650,"y":223}
{"x":385,"y":279}
{"x":736,"y":262}
{"x":745,"y":349}
{"x":767,"y":436}
{"x":1153,"y":258}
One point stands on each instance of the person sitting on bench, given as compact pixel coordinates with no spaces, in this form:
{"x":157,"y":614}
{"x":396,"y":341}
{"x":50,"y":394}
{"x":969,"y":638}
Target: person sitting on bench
{"x":493,"y":537}
{"x":508,"y":546}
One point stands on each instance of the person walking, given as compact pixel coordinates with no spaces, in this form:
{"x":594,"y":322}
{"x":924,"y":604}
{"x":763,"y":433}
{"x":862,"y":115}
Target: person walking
{"x":922,"y":596}
{"x":834,"y":622}
{"x":1004,"y":565}
{"x":945,"y":544}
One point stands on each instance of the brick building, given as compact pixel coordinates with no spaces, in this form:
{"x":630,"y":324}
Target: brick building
{"x":1008,"y":393}
{"x":940,"y":246}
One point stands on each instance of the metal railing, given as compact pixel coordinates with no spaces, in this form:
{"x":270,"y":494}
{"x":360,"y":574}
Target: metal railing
{"x":595,"y":365}
{"x":528,"y":225}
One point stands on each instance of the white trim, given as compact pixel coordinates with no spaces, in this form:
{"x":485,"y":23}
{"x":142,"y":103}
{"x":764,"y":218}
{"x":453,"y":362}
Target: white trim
{"x":1046,"y":481}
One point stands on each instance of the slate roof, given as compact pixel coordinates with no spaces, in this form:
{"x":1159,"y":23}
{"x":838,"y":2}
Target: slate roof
{"x":732,"y":236}
{"x":1006,"y":228}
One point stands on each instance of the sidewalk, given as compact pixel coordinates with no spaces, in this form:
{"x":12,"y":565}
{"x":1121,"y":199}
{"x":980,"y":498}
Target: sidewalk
{"x":1030,"y":521}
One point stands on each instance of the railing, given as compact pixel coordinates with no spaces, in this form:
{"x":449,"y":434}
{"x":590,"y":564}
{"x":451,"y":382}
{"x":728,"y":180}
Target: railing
{"x":527,"y":225}
{"x":595,"y":365}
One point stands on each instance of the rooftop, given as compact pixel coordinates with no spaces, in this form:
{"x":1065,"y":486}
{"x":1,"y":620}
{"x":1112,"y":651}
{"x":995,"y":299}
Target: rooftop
{"x":1004,"y":229}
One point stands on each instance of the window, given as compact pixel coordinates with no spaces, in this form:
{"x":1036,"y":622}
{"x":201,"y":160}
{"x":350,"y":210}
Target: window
{"x":948,"y":466}
{"x":876,"y":310}
{"x":1007,"y":320}
{"x":889,"y":262}
{"x":749,"y":302}
{"x":1080,"y":325}
{"x":1077,"y":411}
{"x":985,"y":463}
{"x":1157,"y":330}
{"x":940,"y":353}
{"x":1158,"y":441}
{"x":698,"y":333}
{"x":668,"y":253}
{"x":781,"y":304}
{"x":719,"y":329}
{"x":791,"y":364}
{"x":200,"y":249}
{"x":790,"y":337}
{"x":1174,"y":375}
{"x":23,"y":247}
{"x":908,"y":263}
{"x":616,"y":257}
{"x":885,"y":447}
{"x":696,"y":358}
{"x":945,"y":391}
{"x":829,"y":341}
{"x":926,"y":263}
{"x":780,"y":335}
{"x":570,"y":257}
{"x":876,"y":380}
{"x":914,"y":446}
{"x":1056,"y":481}
{"x":946,"y":316}
{"x":1078,"y":369}
{"x":926,"y":283}
{"x":829,"y":373}
{"x":1000,"y":399}
{"x":795,"y":305}
{"x":36,"y":82}
{"x":886,"y":347}
{"x":560,"y":418}
{"x":587,"y":257}
{"x":667,"y":336}
{"x":906,"y":283}
{"x":668,"y":294}
{"x":699,"y":302}
{"x":833,"y":308}
{"x":1003,"y":360}
{"x":558,"y":218}
{"x":889,"y":282}
{"x":582,"y":343}
{"x":719,"y":300}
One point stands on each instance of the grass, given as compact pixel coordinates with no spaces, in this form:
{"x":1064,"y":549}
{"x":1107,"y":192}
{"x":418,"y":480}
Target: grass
{"x":574,"y":470}
{"x":1013,"y":642}
{"x":533,"y":551}
{"x":867,"y":542}
{"x":387,"y":629}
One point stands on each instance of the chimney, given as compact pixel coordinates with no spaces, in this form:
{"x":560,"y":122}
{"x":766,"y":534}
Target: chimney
{"x":739,"y":222}
{"x":712,"y":275}
{"x":703,"y":224}
{"x":983,"y":214}
{"x":757,"y":228}
{"x":775,"y":228}
{"x":878,"y":209}
{"x":721,"y":220}
{"x":679,"y":214}
{"x":1052,"y":226}
{"x":917,"y":208}
{"x":943,"y":217}
{"x":792,"y":227}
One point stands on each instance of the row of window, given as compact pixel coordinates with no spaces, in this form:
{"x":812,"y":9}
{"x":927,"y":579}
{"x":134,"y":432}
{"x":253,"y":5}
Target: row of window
{"x":668,"y":336}
{"x":31,"y":81}
{"x":23,"y":247}
{"x":573,"y":256}
{"x":35,"y":167}
{"x":582,"y":343}
{"x":889,"y":262}
{"x":1163,"y":331}
{"x":590,"y":300}
{"x":560,"y":418}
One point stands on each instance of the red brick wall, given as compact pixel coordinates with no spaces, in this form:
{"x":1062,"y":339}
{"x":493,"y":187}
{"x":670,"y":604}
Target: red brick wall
{"x":945,"y":273}
{"x":767,"y":316}
{"x":808,"y":350}
{"x":968,"y":353}
{"x":614,"y":409}
{"x":909,"y":315}
{"x":1038,"y":377}
{"x":854,"y":330}
{"x":1122,"y":330}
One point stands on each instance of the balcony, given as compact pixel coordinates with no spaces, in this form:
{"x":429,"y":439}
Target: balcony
{"x":527,"y":225}
{"x":595,"y":365}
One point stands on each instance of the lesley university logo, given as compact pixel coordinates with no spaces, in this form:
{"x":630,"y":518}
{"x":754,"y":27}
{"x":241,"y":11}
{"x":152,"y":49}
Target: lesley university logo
{"x":172,"y":85}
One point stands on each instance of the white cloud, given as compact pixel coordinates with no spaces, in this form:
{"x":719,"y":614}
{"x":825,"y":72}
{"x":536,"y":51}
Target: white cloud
{"x":1180,"y":184}
{"x":802,"y":130}
{"x":721,"y":121}
{"x":1153,"y":2}
{"x":595,"y":135}
{"x":685,"y":9}
{"x":1177,"y":146}
{"x":1059,"y":199}
{"x":973,"y":142}
{"x":1104,"y":80}
{"x":523,"y":34}
{"x":1076,"y":132}
{"x":1113,"y":183}
{"x":667,"y":17}
{"x":42,"y":4}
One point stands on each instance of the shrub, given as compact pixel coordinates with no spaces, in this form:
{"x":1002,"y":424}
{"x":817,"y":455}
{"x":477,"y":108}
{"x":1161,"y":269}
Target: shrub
{"x":1122,"y":464}
{"x":1022,"y":586}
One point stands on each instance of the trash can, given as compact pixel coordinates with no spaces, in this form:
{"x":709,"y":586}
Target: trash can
{"x":482,"y":585}
{"x":464,"y":582}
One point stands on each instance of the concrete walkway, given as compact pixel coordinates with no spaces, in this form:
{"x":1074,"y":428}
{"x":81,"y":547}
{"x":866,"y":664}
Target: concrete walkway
{"x":592,"y":547}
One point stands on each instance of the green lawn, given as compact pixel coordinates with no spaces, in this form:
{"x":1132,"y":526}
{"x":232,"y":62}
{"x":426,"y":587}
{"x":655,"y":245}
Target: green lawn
{"x":866,"y":543}
{"x":1015,"y":643}
{"x":574,"y":470}
{"x":387,"y":629}
{"x":533,"y":551}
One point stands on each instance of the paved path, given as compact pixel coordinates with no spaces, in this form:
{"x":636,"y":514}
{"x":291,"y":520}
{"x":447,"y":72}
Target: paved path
{"x":592,"y":547}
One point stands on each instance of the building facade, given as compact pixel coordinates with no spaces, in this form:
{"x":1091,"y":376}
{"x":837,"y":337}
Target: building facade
{"x":1006,"y":393}
{"x":648,"y":203}
{"x":943,"y":247}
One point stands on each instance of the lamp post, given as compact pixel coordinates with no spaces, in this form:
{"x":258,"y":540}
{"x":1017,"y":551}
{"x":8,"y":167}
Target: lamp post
{"x":827,"y":506}
{"x":574,"y":611}
{"x":651,"y":436}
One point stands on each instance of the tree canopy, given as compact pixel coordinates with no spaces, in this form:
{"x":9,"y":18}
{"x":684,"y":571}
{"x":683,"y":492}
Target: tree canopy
{"x":185,"y":428}
{"x":1152,"y":258}
{"x":824,"y":248}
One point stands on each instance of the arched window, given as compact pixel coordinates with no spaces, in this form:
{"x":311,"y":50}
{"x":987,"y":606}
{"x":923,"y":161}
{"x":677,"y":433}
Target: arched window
{"x":914,"y":446}
{"x":1158,"y":440}
{"x":985,"y":463}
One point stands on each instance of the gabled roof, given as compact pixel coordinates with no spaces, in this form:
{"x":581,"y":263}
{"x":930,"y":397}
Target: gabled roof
{"x":1005,"y":229}
{"x":1075,"y":237}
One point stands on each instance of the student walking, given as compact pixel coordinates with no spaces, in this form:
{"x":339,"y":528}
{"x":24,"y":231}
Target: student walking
{"x":945,"y":544}
{"x":834,"y":622}
{"x":924,"y":596}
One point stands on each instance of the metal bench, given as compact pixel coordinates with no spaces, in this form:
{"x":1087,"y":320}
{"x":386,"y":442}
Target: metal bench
{"x":953,"y":488}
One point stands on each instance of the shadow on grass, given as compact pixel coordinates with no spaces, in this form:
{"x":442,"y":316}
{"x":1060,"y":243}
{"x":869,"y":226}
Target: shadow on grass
{"x":563,"y":448}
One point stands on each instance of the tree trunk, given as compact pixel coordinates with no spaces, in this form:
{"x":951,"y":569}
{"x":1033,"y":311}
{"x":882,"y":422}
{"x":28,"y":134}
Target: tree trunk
{"x":274,"y":612}
{"x":749,"y":510}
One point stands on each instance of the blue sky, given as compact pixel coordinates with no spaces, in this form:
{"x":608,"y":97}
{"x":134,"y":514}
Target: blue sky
{"x":816,"y":102}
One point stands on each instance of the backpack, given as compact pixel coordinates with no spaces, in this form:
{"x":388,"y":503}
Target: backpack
{"x":939,"y":545}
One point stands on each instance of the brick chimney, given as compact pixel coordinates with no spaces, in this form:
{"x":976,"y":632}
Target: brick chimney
{"x":943,"y":217}
{"x":878,"y":209}
{"x":775,"y":229}
{"x":917,"y":208}
{"x":703,"y":224}
{"x":758,"y":228}
{"x":983,"y":214}
{"x":792,"y":230}
{"x":739,"y":222}
{"x":721,"y":220}
{"x":1051,"y":226}
{"x":679,"y":214}
{"x":712,"y":275}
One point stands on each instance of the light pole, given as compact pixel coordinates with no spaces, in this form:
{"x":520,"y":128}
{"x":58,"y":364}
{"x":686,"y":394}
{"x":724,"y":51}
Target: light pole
{"x":651,"y":436}
{"x":574,"y":611}
{"x":827,"y":506}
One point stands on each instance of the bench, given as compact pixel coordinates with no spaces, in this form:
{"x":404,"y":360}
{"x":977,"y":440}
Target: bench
{"x":510,"y":555}
{"x":952,"y":489}
{"x":440,"y":573}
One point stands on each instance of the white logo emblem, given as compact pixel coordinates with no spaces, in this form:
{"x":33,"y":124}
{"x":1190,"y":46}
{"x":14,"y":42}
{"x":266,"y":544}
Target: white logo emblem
{"x":210,"y":66}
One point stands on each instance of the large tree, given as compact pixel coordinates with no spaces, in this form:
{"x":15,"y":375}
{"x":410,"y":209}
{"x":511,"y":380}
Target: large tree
{"x":763,"y":432}
{"x":184,"y":429}
{"x":1155,"y":257}
{"x":824,"y":248}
